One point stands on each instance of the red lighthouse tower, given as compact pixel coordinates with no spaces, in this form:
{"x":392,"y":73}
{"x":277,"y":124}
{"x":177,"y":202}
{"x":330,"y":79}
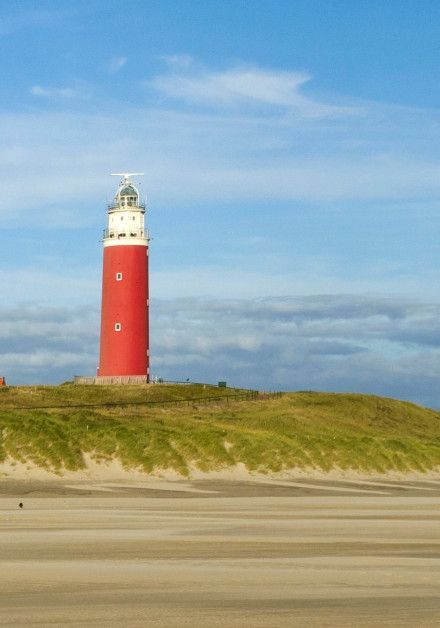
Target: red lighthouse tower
{"x":124,"y":347}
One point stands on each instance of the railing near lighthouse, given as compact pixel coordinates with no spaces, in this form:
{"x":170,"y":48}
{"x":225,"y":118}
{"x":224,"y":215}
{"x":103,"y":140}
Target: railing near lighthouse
{"x":114,"y":205}
{"x":125,"y":233}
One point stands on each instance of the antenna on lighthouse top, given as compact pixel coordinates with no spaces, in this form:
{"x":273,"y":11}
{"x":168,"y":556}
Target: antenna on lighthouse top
{"x":126,"y":176}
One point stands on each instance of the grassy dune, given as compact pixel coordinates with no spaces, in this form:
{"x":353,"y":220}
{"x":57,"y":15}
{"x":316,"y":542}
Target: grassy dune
{"x":303,"y":430}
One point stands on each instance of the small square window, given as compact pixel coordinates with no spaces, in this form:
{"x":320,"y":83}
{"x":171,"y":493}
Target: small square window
{"x":118,"y":276}
{"x":118,"y":326}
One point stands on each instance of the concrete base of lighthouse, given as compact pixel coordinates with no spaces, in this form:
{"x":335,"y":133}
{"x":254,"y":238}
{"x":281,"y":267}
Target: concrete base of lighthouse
{"x":111,"y":379}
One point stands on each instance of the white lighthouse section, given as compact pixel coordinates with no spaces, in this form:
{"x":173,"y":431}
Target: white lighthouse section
{"x":126,"y":216}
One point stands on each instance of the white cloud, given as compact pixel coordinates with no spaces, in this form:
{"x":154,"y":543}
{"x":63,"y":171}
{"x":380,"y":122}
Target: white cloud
{"x":40,"y":359}
{"x":55,"y":161}
{"x":116,"y":64}
{"x":244,"y":86}
{"x":217,"y":155}
{"x":177,"y":62}
{"x":54,"y":92}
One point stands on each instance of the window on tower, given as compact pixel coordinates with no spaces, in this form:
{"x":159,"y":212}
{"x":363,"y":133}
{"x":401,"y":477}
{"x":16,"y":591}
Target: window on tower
{"x":118,"y":276}
{"x":118,"y":326}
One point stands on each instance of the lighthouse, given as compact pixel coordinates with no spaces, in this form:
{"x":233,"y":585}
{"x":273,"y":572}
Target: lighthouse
{"x":124,"y":345}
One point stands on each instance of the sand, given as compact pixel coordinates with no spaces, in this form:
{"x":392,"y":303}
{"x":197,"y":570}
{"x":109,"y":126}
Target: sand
{"x":106,"y":471}
{"x":220,"y":553}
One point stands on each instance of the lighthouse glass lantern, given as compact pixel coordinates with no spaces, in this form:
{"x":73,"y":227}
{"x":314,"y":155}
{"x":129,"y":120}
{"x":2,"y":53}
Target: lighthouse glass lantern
{"x":124,"y":346}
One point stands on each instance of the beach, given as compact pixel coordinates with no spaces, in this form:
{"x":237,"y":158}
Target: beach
{"x":218,"y":553}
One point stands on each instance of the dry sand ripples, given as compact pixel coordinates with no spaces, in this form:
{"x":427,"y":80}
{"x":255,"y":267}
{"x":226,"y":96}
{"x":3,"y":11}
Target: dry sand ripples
{"x":213,"y":553}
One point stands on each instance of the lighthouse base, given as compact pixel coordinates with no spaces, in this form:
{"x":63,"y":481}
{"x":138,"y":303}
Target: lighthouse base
{"x":112,"y":379}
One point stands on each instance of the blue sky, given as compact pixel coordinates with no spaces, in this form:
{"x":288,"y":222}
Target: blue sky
{"x":292,"y":169}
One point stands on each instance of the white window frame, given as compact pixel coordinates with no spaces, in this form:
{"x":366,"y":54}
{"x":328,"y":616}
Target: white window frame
{"x":118,"y":276}
{"x":118,"y":326}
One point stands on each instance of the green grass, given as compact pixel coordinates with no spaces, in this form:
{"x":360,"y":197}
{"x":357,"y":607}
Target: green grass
{"x":305,"y":429}
{"x":68,"y":393}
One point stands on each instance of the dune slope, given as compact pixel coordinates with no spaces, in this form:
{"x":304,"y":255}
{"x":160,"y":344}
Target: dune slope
{"x":188,"y":429}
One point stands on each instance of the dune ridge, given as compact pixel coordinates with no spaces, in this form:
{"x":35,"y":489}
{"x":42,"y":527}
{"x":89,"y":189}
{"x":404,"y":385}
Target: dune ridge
{"x":115,"y":431}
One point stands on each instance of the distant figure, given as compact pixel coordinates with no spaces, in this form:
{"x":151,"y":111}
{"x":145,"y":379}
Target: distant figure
{"x":20,"y":505}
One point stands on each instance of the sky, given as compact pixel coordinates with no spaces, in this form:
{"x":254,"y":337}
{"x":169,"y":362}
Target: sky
{"x":291,"y":153}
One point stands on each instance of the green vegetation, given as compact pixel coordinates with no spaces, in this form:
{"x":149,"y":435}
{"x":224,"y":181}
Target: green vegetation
{"x":304,"y":429}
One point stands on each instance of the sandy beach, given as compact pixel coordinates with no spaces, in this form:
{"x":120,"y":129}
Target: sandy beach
{"x":217,"y":553}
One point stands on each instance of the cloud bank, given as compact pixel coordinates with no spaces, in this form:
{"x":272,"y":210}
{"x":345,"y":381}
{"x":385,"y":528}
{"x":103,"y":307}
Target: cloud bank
{"x":340,"y":343}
